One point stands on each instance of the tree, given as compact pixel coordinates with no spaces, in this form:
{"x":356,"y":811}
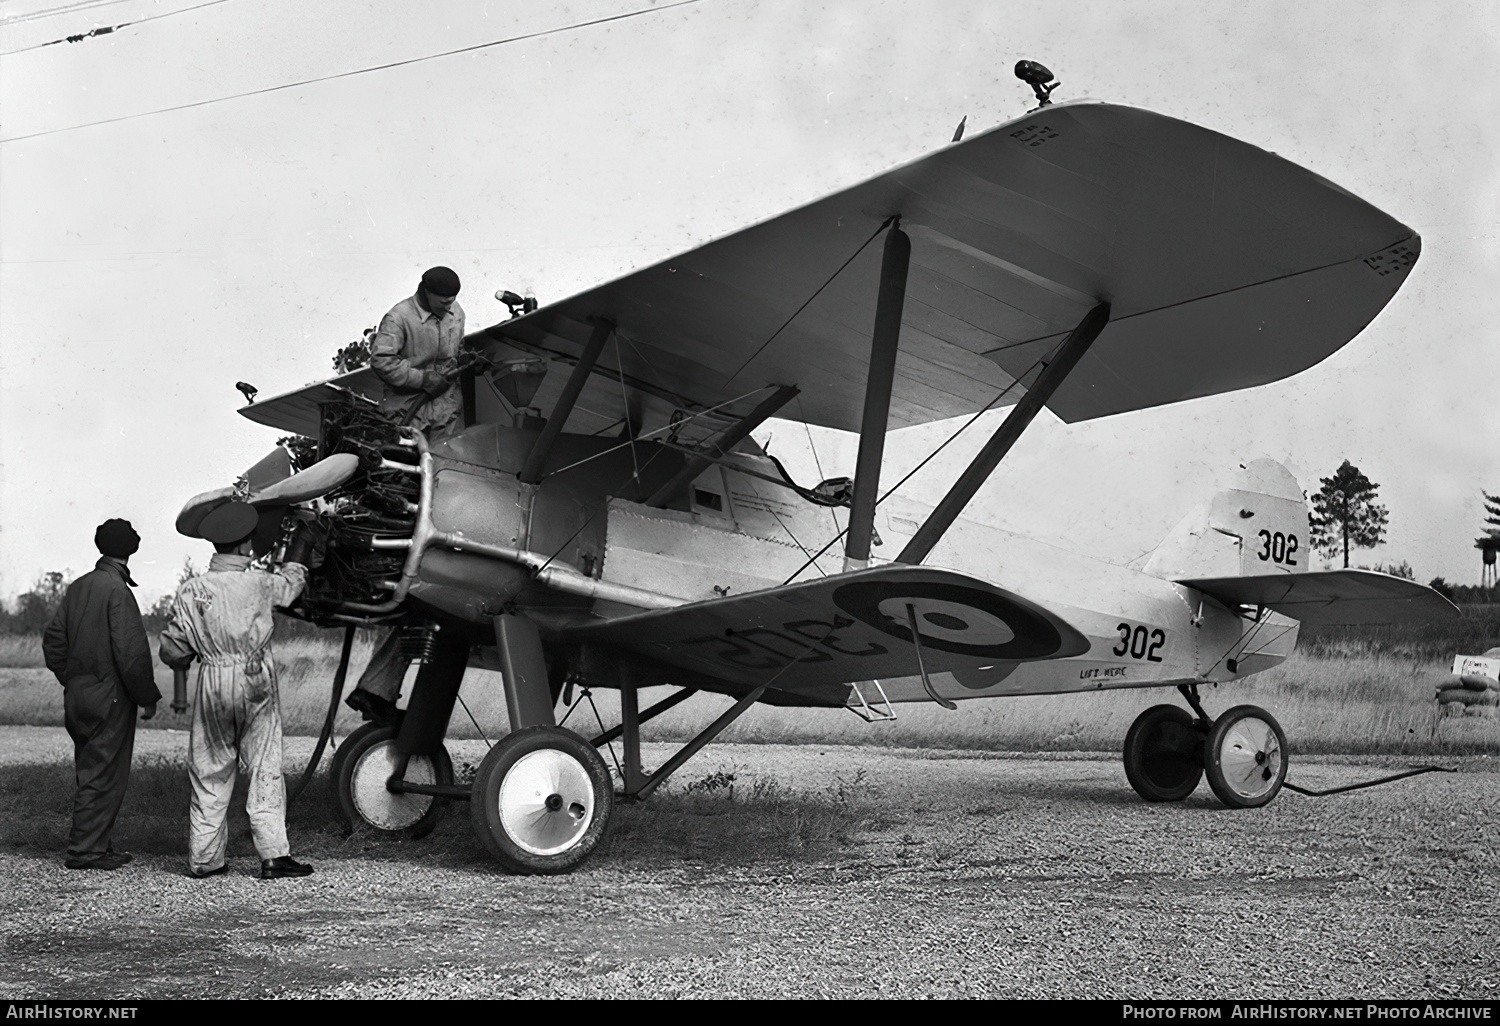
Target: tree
{"x":33,"y":610}
{"x":155,"y":618}
{"x":1345,"y":513}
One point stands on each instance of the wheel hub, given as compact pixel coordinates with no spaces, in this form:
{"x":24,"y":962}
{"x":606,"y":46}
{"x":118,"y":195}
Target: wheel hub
{"x":1250,"y":757}
{"x":546,"y":801}
{"x":376,"y":804}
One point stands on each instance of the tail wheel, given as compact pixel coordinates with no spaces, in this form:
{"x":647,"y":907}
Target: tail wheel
{"x":1245,"y":757}
{"x":370,"y":758}
{"x":1164,"y":754}
{"x":542,"y":800}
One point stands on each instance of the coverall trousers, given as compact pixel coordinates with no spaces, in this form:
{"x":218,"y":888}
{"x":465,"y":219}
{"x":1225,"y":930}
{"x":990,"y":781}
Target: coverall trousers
{"x":100,"y":719}
{"x":236,"y":727}
{"x":387,"y":670}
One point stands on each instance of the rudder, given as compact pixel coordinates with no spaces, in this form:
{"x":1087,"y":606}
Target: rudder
{"x":1256,"y":527}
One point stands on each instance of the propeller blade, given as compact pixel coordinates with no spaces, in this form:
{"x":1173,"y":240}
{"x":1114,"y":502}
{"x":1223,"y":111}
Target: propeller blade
{"x":276,"y":466}
{"x":319,"y":479}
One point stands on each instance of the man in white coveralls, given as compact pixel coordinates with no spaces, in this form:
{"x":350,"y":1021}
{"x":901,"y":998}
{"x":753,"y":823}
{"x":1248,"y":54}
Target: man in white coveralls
{"x":223,"y":619}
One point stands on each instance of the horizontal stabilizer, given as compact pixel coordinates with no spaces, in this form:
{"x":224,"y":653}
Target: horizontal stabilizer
{"x":842,"y":629}
{"x":1332,"y":596}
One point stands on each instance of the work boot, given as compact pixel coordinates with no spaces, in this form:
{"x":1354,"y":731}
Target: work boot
{"x":275,"y":869}
{"x":382,"y":710}
{"x":109,"y":860}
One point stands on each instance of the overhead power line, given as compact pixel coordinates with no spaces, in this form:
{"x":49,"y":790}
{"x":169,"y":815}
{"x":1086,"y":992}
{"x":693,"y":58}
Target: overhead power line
{"x":357,"y":71}
{"x":82,"y":5}
{"x":105,"y":30}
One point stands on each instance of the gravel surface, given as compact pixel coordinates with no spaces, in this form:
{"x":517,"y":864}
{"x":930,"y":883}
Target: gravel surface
{"x":824,"y":871}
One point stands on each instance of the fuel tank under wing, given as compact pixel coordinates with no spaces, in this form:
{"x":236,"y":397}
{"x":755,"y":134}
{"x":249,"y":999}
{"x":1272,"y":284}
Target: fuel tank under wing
{"x":843,"y":629}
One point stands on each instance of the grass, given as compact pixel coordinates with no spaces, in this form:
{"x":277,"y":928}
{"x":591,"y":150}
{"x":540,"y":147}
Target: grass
{"x":715,"y":817}
{"x":1345,"y":691}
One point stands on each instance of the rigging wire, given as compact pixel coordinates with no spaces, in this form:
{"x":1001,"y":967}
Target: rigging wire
{"x":483,"y":736}
{"x":625,"y":401}
{"x":883,"y":226}
{"x":657,"y":431}
{"x":793,"y":537}
{"x":357,"y":71}
{"x":816,"y":462}
{"x":892,"y":490}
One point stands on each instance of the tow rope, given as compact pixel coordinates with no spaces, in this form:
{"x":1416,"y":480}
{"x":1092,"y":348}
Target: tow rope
{"x":1416,"y":771}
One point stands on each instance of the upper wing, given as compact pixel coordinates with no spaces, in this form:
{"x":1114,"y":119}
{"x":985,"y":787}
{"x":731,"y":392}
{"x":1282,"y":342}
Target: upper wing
{"x":1225,"y":266}
{"x":1332,"y":596}
{"x":838,"y":630}
{"x":300,"y":411}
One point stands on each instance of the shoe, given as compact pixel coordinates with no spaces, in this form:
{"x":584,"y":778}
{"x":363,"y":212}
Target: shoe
{"x":373,"y":707}
{"x":109,"y":860}
{"x":275,"y":869}
{"x":208,"y":872}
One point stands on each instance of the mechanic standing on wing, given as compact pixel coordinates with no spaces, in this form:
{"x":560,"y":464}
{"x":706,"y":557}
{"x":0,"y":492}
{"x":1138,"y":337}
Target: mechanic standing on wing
{"x":415,"y":355}
{"x":96,"y":646}
{"x":223,"y":619}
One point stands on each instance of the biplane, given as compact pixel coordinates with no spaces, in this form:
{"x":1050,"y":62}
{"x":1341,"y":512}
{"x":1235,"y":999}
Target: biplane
{"x":605,"y":519}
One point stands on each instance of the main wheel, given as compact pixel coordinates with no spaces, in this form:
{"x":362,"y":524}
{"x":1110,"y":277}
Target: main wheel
{"x":370,"y":758}
{"x":1164,"y":754}
{"x":542,"y":800}
{"x":1245,"y":757}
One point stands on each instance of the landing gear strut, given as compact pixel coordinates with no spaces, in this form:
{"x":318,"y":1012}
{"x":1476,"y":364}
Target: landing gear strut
{"x":1243,"y":753}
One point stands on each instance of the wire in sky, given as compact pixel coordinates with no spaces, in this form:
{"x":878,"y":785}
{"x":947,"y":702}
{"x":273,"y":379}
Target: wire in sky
{"x":356,"y":71}
{"x":83,"y":5}
{"x":107,"y":29}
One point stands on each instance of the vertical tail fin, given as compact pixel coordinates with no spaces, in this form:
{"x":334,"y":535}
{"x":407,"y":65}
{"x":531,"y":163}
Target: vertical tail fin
{"x":1257,"y":526}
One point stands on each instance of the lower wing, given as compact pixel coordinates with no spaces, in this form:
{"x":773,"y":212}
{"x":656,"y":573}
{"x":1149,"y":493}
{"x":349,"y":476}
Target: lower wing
{"x":843,"y":629}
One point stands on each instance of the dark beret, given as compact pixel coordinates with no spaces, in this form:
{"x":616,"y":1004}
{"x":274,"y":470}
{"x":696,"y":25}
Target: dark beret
{"x":440,"y":281}
{"x":117,"y":538}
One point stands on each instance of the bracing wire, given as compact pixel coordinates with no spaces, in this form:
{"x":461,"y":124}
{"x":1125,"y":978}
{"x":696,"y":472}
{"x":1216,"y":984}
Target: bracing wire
{"x":930,"y":456}
{"x":663,"y":428}
{"x":873,"y":236}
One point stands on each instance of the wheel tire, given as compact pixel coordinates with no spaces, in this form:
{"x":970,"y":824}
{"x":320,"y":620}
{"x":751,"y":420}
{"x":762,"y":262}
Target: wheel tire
{"x":1164,"y":754}
{"x":542,"y":800}
{"x":370,"y":758}
{"x":1245,"y":757}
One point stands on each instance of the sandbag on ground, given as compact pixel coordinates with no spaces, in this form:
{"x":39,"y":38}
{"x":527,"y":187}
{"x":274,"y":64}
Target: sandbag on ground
{"x":1467,"y":697}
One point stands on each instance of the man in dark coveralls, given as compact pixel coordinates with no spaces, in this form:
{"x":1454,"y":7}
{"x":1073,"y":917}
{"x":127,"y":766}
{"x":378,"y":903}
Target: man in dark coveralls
{"x":96,"y":646}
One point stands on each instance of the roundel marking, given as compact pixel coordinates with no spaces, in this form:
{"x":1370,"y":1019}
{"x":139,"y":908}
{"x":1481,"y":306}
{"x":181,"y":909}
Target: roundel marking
{"x":952,"y":618}
{"x":946,"y":620}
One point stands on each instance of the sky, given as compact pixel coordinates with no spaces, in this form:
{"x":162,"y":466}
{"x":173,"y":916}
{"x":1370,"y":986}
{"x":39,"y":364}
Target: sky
{"x":150,"y":262}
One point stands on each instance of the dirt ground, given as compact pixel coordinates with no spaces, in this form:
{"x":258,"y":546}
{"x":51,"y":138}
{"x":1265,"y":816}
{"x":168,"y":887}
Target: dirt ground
{"x":823,"y":871}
